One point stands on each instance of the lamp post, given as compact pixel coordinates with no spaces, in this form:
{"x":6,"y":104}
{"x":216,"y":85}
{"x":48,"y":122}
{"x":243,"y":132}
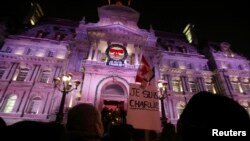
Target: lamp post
{"x":66,"y":88}
{"x":162,"y":85}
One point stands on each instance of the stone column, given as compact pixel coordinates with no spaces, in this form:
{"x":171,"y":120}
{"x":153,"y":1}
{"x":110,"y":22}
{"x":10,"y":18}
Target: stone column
{"x":12,"y":72}
{"x":203,"y":83}
{"x":169,"y":79}
{"x":136,"y":55}
{"x":52,"y":74}
{"x":187,"y":84}
{"x":125,"y":45}
{"x":96,"y":50}
{"x":58,"y":71}
{"x":198,"y":83}
{"x":91,"y":50}
{"x":7,"y":71}
{"x":34,"y":73}
{"x":183,"y":83}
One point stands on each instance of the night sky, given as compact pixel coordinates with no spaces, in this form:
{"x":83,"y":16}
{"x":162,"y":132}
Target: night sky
{"x":213,"y":20}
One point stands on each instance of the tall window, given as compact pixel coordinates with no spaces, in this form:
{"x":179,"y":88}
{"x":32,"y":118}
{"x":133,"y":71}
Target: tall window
{"x":9,"y":104}
{"x":235,"y":84}
{"x":180,"y":107}
{"x":34,"y":105}
{"x":2,"y":70}
{"x":176,"y":84}
{"x":210,"y":87}
{"x":44,"y":76}
{"x":192,"y":85}
{"x":246,"y":85}
{"x":23,"y":72}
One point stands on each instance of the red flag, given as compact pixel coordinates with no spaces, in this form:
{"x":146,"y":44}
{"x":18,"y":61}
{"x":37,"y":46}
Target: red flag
{"x":144,"y":74}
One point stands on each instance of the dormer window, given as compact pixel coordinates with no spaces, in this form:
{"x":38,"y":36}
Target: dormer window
{"x":240,"y":67}
{"x":225,"y":47}
{"x":169,"y":48}
{"x":59,"y":36}
{"x":41,"y":34}
{"x":51,"y":54}
{"x":8,"y":50}
{"x":183,"y":49}
{"x":29,"y":52}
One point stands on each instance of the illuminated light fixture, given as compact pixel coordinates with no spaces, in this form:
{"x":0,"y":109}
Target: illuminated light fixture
{"x":65,"y":80}
{"x":32,"y":22}
{"x":162,"y":87}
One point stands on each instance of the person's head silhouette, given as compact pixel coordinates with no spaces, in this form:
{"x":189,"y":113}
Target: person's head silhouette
{"x":84,"y":122}
{"x":207,"y":113}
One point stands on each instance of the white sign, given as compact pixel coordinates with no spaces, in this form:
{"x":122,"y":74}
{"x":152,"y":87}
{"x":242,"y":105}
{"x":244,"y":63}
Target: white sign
{"x":143,"y":108}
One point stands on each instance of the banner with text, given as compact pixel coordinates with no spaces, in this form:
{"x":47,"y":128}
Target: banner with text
{"x":143,"y":108}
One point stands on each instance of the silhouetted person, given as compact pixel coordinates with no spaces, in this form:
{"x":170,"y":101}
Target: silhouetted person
{"x":206,"y":111}
{"x":168,"y":133}
{"x":3,"y":128}
{"x":120,"y":132}
{"x":84,"y":123}
{"x":34,"y":130}
{"x":3,"y":124}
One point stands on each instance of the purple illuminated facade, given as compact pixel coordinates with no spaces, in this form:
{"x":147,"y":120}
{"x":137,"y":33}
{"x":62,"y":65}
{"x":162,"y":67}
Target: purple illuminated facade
{"x":110,"y":51}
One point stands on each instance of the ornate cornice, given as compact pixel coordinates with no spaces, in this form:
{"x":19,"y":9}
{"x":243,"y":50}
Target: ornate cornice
{"x":177,"y":71}
{"x":17,"y":58}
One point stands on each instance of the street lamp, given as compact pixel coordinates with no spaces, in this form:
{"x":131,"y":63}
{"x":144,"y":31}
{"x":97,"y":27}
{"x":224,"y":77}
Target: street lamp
{"x":162,"y":85}
{"x":66,"y":88}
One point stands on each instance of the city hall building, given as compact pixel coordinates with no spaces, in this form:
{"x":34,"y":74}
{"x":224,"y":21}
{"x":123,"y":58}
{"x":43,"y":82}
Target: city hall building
{"x":105,"y":57}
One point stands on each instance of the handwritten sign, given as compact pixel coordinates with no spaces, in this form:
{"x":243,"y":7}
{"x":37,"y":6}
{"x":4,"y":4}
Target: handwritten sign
{"x":143,"y":108}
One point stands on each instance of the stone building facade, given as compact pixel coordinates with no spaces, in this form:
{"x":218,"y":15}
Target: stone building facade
{"x":105,"y":57}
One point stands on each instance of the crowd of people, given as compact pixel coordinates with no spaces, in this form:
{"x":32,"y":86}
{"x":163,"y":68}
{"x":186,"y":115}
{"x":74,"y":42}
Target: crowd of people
{"x":203,"y":113}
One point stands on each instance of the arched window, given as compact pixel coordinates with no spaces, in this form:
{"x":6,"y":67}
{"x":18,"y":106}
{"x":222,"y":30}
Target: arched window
{"x":180,"y":107}
{"x":9,"y":104}
{"x":114,"y":89}
{"x":34,"y":105}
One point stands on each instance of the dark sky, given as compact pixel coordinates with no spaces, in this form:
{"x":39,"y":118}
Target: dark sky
{"x":214,"y":20}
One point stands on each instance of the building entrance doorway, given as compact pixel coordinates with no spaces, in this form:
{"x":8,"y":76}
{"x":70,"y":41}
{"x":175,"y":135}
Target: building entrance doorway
{"x":113,"y":113}
{"x":113,"y":104}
